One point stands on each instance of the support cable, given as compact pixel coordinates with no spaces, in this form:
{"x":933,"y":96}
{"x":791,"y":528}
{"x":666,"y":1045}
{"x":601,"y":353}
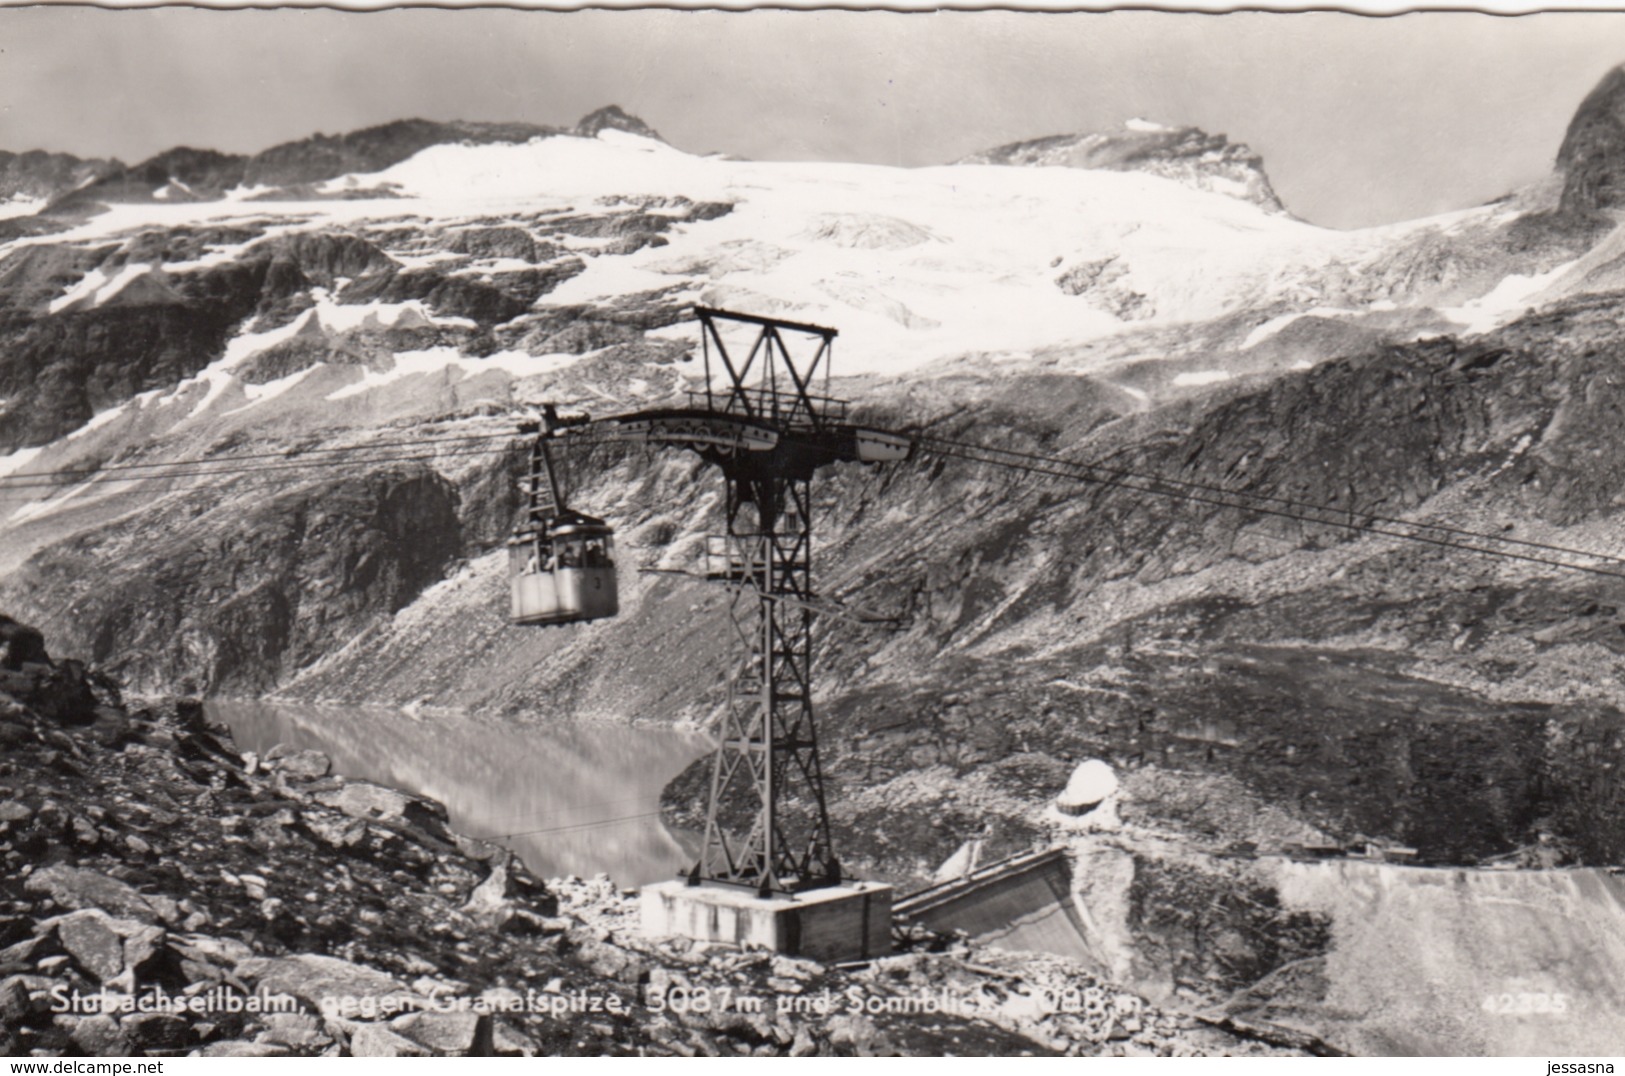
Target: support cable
{"x":944,"y":443}
{"x":1218,"y":496}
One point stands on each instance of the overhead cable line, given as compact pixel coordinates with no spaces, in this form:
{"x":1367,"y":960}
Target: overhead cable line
{"x":1188,"y":490}
{"x":255,"y":469}
{"x":576,"y":808}
{"x":69,"y":474}
{"x":1213,"y":496}
{"x":577,"y":826}
{"x":944,"y":443}
{"x":355,"y":457}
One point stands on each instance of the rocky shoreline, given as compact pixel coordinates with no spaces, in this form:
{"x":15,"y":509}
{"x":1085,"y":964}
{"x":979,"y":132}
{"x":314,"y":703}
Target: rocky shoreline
{"x":164,"y":895}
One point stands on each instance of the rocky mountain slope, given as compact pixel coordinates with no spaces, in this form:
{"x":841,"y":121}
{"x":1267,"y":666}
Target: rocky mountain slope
{"x":166,"y":896}
{"x":29,"y":181}
{"x":1589,"y":158}
{"x":1256,"y":680}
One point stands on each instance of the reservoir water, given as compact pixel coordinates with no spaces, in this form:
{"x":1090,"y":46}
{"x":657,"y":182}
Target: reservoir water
{"x":572,"y":799}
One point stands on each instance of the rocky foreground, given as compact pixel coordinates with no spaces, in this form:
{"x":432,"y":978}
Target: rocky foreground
{"x":164,"y":896}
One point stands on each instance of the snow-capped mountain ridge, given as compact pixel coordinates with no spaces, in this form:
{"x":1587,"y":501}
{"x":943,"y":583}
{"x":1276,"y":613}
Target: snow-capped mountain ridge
{"x":1155,"y":258}
{"x":70,"y":185}
{"x":35,"y":177}
{"x":503,"y":243}
{"x":1187,"y":155}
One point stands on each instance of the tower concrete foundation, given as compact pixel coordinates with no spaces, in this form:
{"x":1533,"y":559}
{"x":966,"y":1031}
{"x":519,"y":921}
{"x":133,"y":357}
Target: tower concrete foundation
{"x":851,"y":921}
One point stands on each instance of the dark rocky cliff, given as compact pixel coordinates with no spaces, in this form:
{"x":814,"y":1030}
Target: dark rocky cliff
{"x":613,"y":117}
{"x":40,"y":175}
{"x":1187,"y":155}
{"x":242,"y":592}
{"x":322,"y":156}
{"x":1591,"y":159}
{"x":1254,"y":680}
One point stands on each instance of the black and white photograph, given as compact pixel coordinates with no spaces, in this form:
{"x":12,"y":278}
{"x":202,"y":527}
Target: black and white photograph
{"x":812,"y":533}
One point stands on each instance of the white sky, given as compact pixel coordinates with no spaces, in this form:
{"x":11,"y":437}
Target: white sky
{"x":1359,"y":119}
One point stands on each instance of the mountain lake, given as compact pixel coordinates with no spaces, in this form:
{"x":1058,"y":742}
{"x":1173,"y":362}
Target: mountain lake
{"x":577,"y":799}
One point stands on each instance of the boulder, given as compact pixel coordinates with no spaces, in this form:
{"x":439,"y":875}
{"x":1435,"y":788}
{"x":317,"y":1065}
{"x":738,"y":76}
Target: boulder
{"x":376,"y":1040}
{"x":190,"y":716}
{"x":157,"y":1030}
{"x":508,"y":1041}
{"x":370,"y":802}
{"x":474,"y":848}
{"x":790,"y":967}
{"x":20,"y":643}
{"x":1088,"y":787}
{"x":63,"y":693}
{"x":76,"y":888}
{"x":23,"y":683}
{"x":526,"y":923}
{"x":100,"y":1036}
{"x":142,"y":946}
{"x":14,"y":928}
{"x":326,"y":982}
{"x":489,"y":905}
{"x":458,"y":1034}
{"x":961,"y":863}
{"x":860,"y":1035}
{"x":804,"y":1045}
{"x":15,"y":1003}
{"x":110,"y":726}
{"x":243,"y":1048}
{"x":609,"y":961}
{"x":304,"y":764}
{"x":94,"y":945}
{"x":29,"y":951}
{"x":297,"y":1029}
{"x":340,"y":832}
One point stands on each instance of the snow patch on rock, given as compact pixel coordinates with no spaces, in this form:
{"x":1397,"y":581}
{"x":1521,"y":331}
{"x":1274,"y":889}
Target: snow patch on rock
{"x":20,"y":206}
{"x":440,"y":359}
{"x":96,"y":287}
{"x":14,"y":461}
{"x":1201,"y":377}
{"x":1508,"y":299}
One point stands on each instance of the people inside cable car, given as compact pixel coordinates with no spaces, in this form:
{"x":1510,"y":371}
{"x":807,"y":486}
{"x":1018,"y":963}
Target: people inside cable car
{"x":567,"y":573}
{"x":597,"y":556}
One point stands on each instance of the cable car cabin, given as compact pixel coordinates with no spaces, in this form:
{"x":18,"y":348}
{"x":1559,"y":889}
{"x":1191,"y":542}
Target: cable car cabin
{"x":564,"y":572}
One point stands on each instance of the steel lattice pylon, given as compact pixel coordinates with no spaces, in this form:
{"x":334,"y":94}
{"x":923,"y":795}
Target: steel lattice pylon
{"x":759,"y":422}
{"x":769,"y":743}
{"x":766,"y":762}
